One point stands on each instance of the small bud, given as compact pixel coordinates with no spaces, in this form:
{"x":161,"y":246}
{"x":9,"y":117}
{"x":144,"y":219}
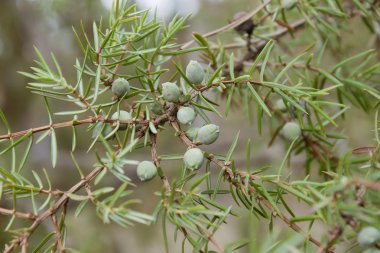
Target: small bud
{"x":368,"y":237}
{"x":288,"y":4}
{"x":104,"y":77}
{"x":193,"y":158}
{"x":183,"y":99}
{"x":186,"y":115}
{"x":192,"y":133}
{"x":246,"y":26}
{"x":105,"y":128}
{"x":208,"y":134}
{"x":291,"y":131}
{"x":280,"y":105}
{"x":170,"y":92}
{"x":121,"y":115}
{"x":195,"y":72}
{"x":146,"y":171}
{"x":120,"y":87}
{"x":156,"y":108}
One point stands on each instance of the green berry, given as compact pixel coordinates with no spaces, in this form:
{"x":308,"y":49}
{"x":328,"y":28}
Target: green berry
{"x":120,"y":87}
{"x":288,"y":4}
{"x":186,"y":115}
{"x":192,"y":133}
{"x":106,"y":129}
{"x":368,"y":237}
{"x":291,"y":131}
{"x":146,"y":171}
{"x":121,"y":115}
{"x":195,"y":72}
{"x":193,"y":158}
{"x":170,"y":92}
{"x":156,"y":108}
{"x":280,"y":105}
{"x":208,"y":134}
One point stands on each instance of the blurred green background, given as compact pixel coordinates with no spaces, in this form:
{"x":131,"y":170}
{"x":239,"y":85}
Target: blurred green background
{"x":47,"y":24}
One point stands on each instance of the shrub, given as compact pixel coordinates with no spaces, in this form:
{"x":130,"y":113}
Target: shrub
{"x":134,"y":68}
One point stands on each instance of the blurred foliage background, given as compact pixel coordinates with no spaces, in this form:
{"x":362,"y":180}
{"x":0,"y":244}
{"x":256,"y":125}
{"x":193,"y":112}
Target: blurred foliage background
{"x":47,"y":24}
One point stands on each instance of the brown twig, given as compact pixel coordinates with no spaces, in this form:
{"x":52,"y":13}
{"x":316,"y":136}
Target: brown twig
{"x":114,"y":72}
{"x":156,"y":160}
{"x":334,"y":235}
{"x":58,"y":234}
{"x":23,"y":239}
{"x":90,"y":194}
{"x":89,"y":120}
{"x":11,"y":212}
{"x":313,"y":148}
{"x":82,"y":99}
{"x":210,"y":237}
{"x":284,"y":64}
{"x":367,"y":184}
{"x":231,"y":25}
{"x":259,"y":46}
{"x":274,"y":35}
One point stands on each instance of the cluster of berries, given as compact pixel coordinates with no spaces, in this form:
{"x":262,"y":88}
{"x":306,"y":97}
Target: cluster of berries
{"x":170,"y":93}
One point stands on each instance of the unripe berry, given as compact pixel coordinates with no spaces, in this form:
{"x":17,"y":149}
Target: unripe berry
{"x":120,"y":87}
{"x":156,"y":108}
{"x":170,"y":92}
{"x":368,"y":237}
{"x":192,"y":133}
{"x":280,"y":105}
{"x":121,"y":115}
{"x":194,"y":72}
{"x":193,"y":158}
{"x":186,"y":115}
{"x":247,"y":26}
{"x":208,"y":134}
{"x":105,"y":128}
{"x":291,"y":131}
{"x":288,"y":4}
{"x":146,"y":171}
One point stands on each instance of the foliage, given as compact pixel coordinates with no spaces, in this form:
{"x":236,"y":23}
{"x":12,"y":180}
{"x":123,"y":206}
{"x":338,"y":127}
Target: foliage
{"x":254,"y":75}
